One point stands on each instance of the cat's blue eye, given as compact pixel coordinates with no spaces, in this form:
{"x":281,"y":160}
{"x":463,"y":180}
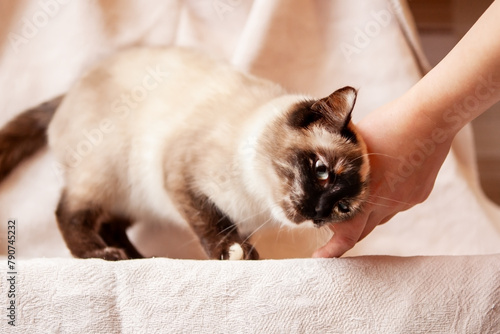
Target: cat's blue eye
{"x":321,"y":170}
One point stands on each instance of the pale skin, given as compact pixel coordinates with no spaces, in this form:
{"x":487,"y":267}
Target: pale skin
{"x":461,"y":87}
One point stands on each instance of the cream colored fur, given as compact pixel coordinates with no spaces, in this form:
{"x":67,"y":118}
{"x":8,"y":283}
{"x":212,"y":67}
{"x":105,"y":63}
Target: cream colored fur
{"x":147,"y":125}
{"x":132,"y":169}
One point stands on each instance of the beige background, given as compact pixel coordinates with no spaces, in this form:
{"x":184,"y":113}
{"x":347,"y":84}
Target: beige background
{"x":267,"y":38}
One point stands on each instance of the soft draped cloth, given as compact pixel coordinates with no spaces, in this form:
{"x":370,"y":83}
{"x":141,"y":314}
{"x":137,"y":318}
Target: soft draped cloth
{"x":312,"y":47}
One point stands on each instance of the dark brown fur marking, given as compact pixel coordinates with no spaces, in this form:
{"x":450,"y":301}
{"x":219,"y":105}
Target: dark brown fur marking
{"x":114,"y":234}
{"x":216,"y":231}
{"x":87,"y":237}
{"x":335,"y":109}
{"x":25,"y":135}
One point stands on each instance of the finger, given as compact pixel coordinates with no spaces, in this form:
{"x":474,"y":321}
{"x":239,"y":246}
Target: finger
{"x":372,"y":222}
{"x":346,"y":235}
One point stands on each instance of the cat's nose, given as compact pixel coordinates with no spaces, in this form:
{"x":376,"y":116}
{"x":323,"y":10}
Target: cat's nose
{"x":321,"y":212}
{"x":317,"y":213}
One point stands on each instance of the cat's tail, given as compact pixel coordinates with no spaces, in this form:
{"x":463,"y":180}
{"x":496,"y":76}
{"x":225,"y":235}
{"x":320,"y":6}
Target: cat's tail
{"x":25,"y":135}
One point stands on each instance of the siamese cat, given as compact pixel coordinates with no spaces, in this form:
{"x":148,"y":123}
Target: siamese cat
{"x":172,"y":135}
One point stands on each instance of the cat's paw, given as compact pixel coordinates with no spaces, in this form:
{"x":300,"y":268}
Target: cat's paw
{"x":238,"y":251}
{"x":108,"y":253}
{"x":235,"y":252}
{"x":250,"y":252}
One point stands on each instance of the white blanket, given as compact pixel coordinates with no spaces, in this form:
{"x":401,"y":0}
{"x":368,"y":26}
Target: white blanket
{"x":358,"y":295}
{"x":308,"y":46}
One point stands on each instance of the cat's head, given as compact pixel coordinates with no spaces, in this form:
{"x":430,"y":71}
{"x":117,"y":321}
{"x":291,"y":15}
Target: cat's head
{"x":319,"y":161}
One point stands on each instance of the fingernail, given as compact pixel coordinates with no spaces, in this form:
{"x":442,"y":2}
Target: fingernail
{"x":317,"y":255}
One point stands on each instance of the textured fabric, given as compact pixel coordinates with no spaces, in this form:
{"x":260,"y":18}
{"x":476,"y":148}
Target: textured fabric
{"x":358,"y":295}
{"x":307,"y":46}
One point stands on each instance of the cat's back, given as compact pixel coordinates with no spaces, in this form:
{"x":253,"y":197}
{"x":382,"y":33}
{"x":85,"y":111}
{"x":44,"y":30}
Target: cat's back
{"x":149,"y":86}
{"x":121,"y":85}
{"x":119,"y":120}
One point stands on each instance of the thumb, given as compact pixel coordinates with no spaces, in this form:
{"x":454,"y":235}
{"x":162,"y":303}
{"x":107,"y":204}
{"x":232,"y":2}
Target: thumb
{"x":346,"y":235}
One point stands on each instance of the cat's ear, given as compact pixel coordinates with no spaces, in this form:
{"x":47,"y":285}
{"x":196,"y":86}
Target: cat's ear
{"x":337,"y":107}
{"x":333,"y":110}
{"x":302,"y":116}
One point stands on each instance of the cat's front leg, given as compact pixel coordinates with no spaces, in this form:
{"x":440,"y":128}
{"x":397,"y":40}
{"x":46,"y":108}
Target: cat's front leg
{"x":221,"y":240}
{"x":218,"y":235}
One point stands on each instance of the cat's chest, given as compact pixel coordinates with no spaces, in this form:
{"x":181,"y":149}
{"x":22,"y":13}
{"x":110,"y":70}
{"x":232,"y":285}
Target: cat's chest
{"x":245,"y":213}
{"x":227,"y":191}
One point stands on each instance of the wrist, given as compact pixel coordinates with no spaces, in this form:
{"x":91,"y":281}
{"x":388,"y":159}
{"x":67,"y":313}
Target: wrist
{"x":439,"y":117}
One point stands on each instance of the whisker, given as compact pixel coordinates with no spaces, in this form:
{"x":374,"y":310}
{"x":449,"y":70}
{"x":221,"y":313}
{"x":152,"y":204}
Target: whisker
{"x":228,"y":229}
{"x":280,"y":229}
{"x":252,"y":216}
{"x":235,"y":225}
{"x":257,"y":229}
{"x":378,"y":204}
{"x":379,"y":154}
{"x":389,"y":199}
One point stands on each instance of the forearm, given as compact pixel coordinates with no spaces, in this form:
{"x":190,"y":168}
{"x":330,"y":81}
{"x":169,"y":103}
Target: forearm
{"x":464,"y":84}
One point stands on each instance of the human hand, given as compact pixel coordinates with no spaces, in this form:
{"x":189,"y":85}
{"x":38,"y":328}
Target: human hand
{"x":405,"y":154}
{"x":409,"y":138}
